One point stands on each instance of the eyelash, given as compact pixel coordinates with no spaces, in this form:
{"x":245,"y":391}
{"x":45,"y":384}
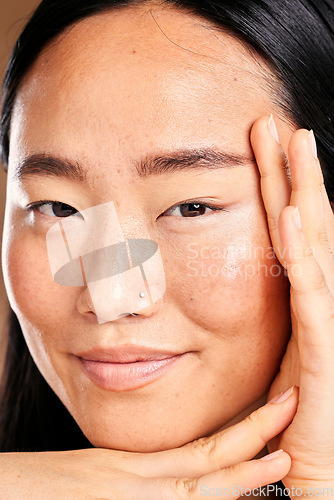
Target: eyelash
{"x":35,"y":206}
{"x":194,"y":202}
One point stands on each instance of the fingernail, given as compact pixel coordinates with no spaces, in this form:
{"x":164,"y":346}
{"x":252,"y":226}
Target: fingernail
{"x":282,"y":396}
{"x":272,"y":129}
{"x":313,"y":144}
{"x":296,"y":218}
{"x":273,"y":455}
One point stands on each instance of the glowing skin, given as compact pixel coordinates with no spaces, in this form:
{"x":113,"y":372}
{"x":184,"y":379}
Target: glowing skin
{"x":112,"y":91}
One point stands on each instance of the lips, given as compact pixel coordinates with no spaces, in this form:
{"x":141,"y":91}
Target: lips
{"x":126,"y":367}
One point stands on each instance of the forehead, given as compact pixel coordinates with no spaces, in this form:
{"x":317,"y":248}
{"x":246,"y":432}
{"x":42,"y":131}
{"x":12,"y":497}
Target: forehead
{"x":162,"y":71}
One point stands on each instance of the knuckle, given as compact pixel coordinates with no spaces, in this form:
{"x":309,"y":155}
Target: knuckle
{"x":205,"y":448}
{"x":252,"y":419}
{"x":308,"y":253}
{"x":323,"y":238}
{"x":318,"y":282}
{"x":256,"y":425}
{"x":272,"y":222}
{"x":185,"y":487}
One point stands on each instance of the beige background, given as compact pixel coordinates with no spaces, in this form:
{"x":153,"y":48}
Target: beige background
{"x":13,"y":15}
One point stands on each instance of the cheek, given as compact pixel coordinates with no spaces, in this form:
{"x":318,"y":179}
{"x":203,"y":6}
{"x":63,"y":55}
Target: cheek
{"x":33,"y":294}
{"x":232,"y":285}
{"x":42,"y":306}
{"x":236,"y":297}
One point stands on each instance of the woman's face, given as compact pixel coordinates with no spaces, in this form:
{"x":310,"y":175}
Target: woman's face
{"x":115,"y":90}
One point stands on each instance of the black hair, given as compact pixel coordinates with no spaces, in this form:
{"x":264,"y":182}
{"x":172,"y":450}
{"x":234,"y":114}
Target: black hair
{"x":294,"y":37}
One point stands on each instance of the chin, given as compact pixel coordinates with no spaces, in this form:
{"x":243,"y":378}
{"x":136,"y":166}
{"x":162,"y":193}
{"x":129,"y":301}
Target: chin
{"x":144,"y":441}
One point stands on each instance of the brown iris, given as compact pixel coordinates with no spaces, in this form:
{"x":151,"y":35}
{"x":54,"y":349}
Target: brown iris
{"x":192,"y":209}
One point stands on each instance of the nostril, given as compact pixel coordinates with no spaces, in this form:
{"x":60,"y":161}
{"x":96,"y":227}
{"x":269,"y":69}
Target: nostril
{"x":127,"y":314}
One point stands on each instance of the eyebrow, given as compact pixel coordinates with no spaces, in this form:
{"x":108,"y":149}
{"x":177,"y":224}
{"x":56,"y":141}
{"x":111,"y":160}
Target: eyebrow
{"x":48,"y":165}
{"x":189,"y":159}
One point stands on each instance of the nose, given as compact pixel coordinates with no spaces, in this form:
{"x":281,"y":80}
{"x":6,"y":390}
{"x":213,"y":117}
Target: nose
{"x":123,"y":276}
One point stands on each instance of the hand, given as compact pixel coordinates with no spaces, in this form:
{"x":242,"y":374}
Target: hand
{"x":188,"y":472}
{"x":306,"y":251}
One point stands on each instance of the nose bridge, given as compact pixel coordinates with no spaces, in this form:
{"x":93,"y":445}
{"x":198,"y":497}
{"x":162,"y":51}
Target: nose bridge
{"x":123,"y":275}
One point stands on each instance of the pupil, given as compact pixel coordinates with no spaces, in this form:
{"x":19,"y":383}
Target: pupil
{"x":62,"y":210}
{"x":192,"y":209}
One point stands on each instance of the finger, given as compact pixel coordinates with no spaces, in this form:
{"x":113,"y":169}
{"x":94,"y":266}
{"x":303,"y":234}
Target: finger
{"x":308,"y":195}
{"x":232,"y":482}
{"x":273,"y":168}
{"x":311,"y":299}
{"x":235,"y":444}
{"x":327,"y":207}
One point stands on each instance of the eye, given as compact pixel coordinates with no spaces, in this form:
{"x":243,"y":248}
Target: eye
{"x":190,"y":209}
{"x":54,"y":209}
